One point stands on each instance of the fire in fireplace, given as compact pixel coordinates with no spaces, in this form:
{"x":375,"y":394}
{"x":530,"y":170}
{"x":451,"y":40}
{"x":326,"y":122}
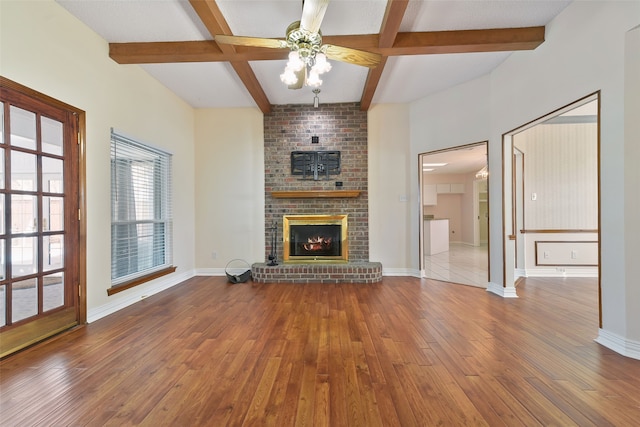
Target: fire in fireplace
{"x":315,"y":238}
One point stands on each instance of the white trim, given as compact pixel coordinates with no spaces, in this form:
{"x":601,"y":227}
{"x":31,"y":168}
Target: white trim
{"x":508,"y":292}
{"x":619,"y":344}
{"x":137,"y":294}
{"x":210,"y":272}
{"x":568,"y":272}
{"x":404,"y":272}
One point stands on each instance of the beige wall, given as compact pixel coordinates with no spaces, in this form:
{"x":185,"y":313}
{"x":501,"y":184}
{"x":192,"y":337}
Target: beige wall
{"x":390,"y":210}
{"x":448,"y":206}
{"x":229,"y":187}
{"x":459,"y":208}
{"x":45,"y":48}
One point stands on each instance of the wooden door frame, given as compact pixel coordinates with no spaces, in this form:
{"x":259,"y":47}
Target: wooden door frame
{"x":81,"y":170}
{"x":509,"y":201}
{"x":421,"y":183}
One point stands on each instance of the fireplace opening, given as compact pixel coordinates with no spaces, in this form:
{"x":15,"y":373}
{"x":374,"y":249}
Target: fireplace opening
{"x":315,"y":238}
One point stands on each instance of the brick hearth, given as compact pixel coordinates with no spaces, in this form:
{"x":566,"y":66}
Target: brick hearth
{"x":353,"y":272}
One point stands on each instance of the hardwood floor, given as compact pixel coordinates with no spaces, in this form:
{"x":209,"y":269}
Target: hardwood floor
{"x":404,"y":352}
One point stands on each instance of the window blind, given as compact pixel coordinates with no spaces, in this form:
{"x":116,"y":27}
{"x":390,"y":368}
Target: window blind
{"x":141,"y":218}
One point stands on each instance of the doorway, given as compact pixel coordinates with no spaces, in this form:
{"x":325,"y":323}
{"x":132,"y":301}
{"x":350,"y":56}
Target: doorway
{"x":454,"y":215}
{"x":40,"y":236}
{"x":551,"y":195}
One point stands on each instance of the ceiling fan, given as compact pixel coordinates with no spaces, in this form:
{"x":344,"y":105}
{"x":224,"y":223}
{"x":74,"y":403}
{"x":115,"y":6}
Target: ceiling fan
{"x":307,"y":56}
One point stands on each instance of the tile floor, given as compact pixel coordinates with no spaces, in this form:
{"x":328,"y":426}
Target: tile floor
{"x":464,"y":264}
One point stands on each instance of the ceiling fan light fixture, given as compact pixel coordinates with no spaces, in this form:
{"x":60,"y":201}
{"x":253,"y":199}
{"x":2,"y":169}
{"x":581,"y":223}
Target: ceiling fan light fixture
{"x":321,"y":65}
{"x":314,"y":79}
{"x":307,"y":55}
{"x":295,"y":63}
{"x":288,"y":77}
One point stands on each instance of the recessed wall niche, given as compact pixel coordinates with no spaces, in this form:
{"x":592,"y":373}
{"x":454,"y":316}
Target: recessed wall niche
{"x":340,"y":127}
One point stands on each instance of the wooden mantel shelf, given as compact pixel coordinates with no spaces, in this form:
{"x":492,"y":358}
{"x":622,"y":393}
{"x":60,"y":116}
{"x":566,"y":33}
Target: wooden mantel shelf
{"x":315,"y":194}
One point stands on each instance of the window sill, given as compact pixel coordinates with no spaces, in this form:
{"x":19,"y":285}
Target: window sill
{"x":140,"y":280}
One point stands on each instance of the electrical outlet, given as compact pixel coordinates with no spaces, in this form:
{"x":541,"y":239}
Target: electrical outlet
{"x":534,"y":196}
{"x":214,"y":255}
{"x":574,"y":254}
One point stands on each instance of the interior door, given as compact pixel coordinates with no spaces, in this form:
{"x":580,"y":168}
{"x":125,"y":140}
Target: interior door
{"x":39,"y":224}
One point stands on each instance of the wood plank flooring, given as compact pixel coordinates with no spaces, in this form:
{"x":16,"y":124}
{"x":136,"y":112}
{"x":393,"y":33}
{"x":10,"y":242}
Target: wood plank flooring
{"x":404,"y":352}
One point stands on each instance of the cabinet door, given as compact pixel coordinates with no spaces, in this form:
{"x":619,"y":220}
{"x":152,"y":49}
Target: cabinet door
{"x":457,"y":188}
{"x":444,"y":188}
{"x":429,"y":195}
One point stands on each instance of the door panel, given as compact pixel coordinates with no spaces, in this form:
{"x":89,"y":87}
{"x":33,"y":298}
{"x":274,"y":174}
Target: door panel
{"x":39,"y":225}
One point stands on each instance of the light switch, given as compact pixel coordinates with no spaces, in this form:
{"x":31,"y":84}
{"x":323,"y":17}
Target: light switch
{"x":534,"y":196}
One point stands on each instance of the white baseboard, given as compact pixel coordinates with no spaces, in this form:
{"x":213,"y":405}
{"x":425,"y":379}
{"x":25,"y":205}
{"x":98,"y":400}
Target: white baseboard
{"x":562,"y":272}
{"x":508,"y":292}
{"x":210,"y":272}
{"x":404,"y":272}
{"x":134,"y":295}
{"x":619,"y":344}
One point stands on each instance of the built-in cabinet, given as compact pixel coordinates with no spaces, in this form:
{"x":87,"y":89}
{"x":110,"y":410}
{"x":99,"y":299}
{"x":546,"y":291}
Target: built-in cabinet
{"x":450,"y":188}
{"x":430,"y":192}
{"x":429,"y":195}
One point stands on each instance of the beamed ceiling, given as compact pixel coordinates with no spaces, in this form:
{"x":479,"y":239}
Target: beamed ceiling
{"x":425,"y":46}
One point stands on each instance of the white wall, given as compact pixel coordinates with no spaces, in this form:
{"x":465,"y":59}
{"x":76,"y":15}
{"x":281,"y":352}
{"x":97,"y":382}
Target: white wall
{"x":392,"y":201}
{"x":229,"y":186}
{"x":47,"y":49}
{"x":584,"y":52}
{"x":560,"y":167}
{"x":632,"y":179}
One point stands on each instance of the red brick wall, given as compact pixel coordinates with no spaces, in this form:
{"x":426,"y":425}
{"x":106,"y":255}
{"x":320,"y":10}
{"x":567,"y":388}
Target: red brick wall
{"x":341,"y":127}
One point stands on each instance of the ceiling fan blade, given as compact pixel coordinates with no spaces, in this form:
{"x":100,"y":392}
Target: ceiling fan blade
{"x":250,"y":41}
{"x":312,"y":14}
{"x":302,"y":78}
{"x":352,"y":56}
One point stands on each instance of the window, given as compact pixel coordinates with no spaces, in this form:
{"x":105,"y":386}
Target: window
{"x":141,"y":220}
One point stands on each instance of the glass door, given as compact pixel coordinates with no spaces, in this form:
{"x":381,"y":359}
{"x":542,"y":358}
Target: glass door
{"x":39,"y":226}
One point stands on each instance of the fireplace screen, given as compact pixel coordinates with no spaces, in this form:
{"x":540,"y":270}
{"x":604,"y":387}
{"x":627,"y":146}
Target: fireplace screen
{"x":315,"y":238}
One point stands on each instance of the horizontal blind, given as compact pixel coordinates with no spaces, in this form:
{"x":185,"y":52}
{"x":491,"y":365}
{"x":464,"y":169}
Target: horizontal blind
{"x":141,"y":218}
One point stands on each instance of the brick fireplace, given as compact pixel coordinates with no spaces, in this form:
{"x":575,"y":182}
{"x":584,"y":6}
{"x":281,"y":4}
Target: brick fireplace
{"x":338,"y":127}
